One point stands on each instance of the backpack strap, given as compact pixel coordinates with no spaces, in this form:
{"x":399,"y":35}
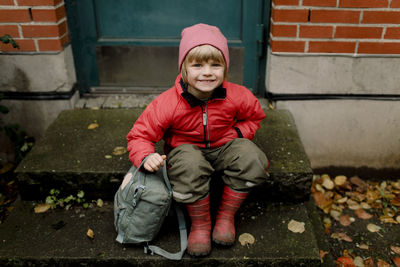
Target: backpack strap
{"x":150,"y":249}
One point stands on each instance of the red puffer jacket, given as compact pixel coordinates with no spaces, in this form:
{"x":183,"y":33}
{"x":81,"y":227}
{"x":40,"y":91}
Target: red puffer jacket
{"x":180,"y":118}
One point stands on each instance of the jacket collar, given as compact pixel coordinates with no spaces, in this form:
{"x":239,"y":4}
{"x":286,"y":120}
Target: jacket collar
{"x":218,"y":93}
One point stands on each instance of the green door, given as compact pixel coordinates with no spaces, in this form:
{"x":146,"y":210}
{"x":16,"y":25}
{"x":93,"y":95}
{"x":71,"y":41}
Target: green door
{"x":132,"y":45}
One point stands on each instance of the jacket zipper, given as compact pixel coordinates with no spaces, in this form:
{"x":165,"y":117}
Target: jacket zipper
{"x":205,"y":126}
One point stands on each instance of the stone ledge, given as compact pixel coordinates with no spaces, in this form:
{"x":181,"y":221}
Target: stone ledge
{"x":70,"y":157}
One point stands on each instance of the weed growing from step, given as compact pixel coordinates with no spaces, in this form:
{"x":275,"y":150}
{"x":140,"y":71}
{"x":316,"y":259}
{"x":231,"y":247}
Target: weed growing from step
{"x":55,"y":201}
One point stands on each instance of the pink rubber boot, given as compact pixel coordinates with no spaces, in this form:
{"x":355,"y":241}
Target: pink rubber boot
{"x":224,"y":229}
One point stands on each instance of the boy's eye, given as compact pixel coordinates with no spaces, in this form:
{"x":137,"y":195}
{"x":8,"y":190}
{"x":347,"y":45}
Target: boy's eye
{"x":216,"y":65}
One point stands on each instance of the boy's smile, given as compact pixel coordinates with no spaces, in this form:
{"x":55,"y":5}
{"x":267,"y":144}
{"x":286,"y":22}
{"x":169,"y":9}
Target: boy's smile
{"x":204,"y":77}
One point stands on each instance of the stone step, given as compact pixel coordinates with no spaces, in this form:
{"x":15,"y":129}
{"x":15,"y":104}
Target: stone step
{"x":58,"y":238}
{"x":70,"y":157}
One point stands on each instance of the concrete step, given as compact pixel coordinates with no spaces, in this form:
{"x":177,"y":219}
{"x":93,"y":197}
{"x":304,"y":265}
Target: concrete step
{"x":58,"y":238}
{"x":70,"y":157}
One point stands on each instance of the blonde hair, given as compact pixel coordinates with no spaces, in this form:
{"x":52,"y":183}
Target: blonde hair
{"x":203,"y":53}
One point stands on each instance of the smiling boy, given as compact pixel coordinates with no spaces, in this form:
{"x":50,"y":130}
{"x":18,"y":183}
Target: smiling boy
{"x":207,"y":124}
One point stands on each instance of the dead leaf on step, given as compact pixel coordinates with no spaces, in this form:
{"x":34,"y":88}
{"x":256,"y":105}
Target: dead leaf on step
{"x":99,"y":203}
{"x":119,"y":150}
{"x":340,"y":180}
{"x":246,"y":239}
{"x":363,"y":246}
{"x":90,"y":233}
{"x":342,"y":236}
{"x":362,"y":214}
{"x":398,"y":219}
{"x":395,"y":249}
{"x":93,"y":126}
{"x":322,"y":255}
{"x":345,"y":261}
{"x":296,"y":227}
{"x":40,"y":208}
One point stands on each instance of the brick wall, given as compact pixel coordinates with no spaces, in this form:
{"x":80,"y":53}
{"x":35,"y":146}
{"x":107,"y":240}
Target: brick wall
{"x":335,"y":26}
{"x":36,"y":25}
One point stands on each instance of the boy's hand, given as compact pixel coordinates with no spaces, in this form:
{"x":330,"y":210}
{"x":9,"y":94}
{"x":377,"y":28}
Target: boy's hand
{"x":154,"y":162}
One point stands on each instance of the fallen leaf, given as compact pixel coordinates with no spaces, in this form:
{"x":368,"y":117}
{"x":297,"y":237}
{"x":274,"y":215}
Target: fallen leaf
{"x":346,"y":261}
{"x":361,"y":186}
{"x":335,"y":214}
{"x":373,"y":228}
{"x":296,"y":227}
{"x":322,"y":254}
{"x":119,"y":150}
{"x":365,"y":205}
{"x":398,"y":219}
{"x":396,"y":261}
{"x":395,"y":249}
{"x":342,"y":236}
{"x":108,"y":156}
{"x":382,"y":263}
{"x":99,"y":203}
{"x":246,"y":239}
{"x":396,"y":201}
{"x":369,"y":262}
{"x":345,"y":220}
{"x":387,"y":219}
{"x":340,"y":180}
{"x":43,"y":207}
{"x":363,"y":246}
{"x":358,"y":261}
{"x":93,"y":126}
{"x":362,"y":214}
{"x":90,"y":233}
{"x":328,"y":184}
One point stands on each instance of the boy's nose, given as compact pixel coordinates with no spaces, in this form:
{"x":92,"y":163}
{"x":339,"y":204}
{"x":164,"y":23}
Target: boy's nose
{"x":206,"y":70}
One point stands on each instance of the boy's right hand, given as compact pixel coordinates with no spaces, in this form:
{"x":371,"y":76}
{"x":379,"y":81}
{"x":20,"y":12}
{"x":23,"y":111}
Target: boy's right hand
{"x":154,"y":162}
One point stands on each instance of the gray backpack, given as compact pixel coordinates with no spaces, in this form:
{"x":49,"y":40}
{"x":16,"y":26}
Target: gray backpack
{"x":140,"y":206}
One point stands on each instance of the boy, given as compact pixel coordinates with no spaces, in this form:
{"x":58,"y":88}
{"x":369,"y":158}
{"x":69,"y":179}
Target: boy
{"x":206,"y":123}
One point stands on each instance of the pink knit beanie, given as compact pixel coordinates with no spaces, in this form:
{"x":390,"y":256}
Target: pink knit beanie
{"x":201,"y":34}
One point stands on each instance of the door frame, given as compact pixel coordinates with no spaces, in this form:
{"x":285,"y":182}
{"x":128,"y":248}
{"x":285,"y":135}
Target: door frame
{"x":84,"y":39}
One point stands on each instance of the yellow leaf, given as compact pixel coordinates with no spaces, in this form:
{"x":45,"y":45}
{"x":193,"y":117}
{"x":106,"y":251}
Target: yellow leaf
{"x":246,"y":239}
{"x":296,"y":227}
{"x":40,"y":208}
{"x":93,"y":126}
{"x":395,"y":249}
{"x":340,"y":180}
{"x":387,"y":219}
{"x":90,"y":233}
{"x":119,"y":150}
{"x":99,"y":203}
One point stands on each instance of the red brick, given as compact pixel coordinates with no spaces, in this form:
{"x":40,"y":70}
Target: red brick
{"x":326,"y":3}
{"x":48,"y":15}
{"x":286,"y":2}
{"x":6,"y":2}
{"x":358,"y":32}
{"x":38,"y":2}
{"x":290,"y":15}
{"x":378,"y":48}
{"x":331,"y":47}
{"x":12,"y":30}
{"x":284,"y":30}
{"x":395,"y":4}
{"x":386,"y":17}
{"x":287,"y":46}
{"x":44,"y":30}
{"x":392,"y":33}
{"x":53,"y":45}
{"x":24,"y":45}
{"x":364,"y":3}
{"x":14,"y":15}
{"x":335,"y":16}
{"x":312,"y":31}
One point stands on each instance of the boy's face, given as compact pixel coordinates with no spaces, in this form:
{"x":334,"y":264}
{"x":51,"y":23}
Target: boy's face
{"x":204,"y":77}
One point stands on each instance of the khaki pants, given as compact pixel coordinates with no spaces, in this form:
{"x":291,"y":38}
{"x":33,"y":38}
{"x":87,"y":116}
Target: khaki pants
{"x":241,"y":163}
